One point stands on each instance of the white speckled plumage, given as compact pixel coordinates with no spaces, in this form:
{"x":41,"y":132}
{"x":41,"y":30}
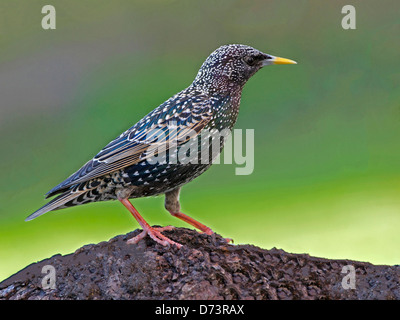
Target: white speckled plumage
{"x":121,"y":170}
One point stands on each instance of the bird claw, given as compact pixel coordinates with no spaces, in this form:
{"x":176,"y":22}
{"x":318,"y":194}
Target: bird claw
{"x":228,"y":240}
{"x":209,"y":232}
{"x":156,"y":235}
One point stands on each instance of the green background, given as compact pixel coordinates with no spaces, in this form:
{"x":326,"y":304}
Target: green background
{"x":326,"y":178}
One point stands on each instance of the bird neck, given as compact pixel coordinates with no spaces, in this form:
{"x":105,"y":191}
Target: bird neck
{"x":225,"y":102}
{"x":218,"y":87}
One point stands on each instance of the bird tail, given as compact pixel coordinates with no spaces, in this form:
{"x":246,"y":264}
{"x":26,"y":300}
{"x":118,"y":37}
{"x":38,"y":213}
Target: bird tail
{"x":64,"y":200}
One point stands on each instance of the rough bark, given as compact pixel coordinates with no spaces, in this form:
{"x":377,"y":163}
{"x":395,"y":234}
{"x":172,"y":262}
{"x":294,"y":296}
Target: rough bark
{"x":204,"y":268}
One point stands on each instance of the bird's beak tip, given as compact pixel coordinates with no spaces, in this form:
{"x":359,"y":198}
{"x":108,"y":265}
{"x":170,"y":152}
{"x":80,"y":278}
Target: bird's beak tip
{"x":278,"y":60}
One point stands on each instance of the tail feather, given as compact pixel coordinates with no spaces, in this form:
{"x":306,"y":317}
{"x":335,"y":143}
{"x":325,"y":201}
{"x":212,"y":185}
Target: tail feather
{"x":57,"y":203}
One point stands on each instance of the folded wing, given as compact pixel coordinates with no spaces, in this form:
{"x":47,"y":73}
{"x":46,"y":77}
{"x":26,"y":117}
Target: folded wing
{"x":169,"y":122}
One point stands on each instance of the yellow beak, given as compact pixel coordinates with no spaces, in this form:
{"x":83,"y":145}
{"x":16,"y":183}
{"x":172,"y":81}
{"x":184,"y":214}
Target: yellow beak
{"x":278,"y":60}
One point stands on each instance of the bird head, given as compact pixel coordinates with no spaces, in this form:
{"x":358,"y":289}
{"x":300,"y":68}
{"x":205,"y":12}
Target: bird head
{"x":230,"y":66}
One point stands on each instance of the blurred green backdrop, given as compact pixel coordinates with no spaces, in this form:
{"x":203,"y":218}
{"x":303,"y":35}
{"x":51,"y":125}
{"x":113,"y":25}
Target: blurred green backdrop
{"x":326,"y":179}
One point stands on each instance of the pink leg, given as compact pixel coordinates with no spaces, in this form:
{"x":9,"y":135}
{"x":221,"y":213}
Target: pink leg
{"x":196,"y":224}
{"x":153,"y":232}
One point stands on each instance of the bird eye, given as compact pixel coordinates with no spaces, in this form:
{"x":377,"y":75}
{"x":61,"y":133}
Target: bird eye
{"x":250,"y":60}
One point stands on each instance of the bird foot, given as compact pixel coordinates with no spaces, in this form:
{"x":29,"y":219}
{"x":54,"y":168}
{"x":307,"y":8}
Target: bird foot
{"x":156,"y":235}
{"x":227,"y":240}
{"x":209,"y":232}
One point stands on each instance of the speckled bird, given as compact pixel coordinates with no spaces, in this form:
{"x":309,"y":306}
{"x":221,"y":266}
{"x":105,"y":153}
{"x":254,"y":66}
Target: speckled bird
{"x":122,"y":170}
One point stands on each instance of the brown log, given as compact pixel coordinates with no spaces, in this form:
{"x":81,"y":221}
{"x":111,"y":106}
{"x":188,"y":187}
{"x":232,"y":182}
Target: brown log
{"x":204,"y":268}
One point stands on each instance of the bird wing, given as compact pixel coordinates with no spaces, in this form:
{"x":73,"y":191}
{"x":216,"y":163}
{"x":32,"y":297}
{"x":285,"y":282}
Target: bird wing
{"x":169,"y":122}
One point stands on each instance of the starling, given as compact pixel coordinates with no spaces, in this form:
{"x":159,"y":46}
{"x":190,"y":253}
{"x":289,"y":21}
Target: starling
{"x":122,"y":170}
